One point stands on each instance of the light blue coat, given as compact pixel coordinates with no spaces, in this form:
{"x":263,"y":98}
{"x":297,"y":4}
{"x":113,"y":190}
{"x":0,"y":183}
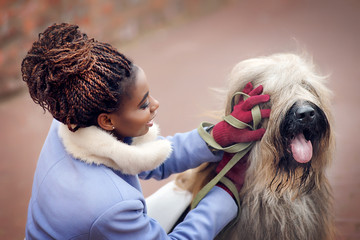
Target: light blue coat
{"x":72,"y":199}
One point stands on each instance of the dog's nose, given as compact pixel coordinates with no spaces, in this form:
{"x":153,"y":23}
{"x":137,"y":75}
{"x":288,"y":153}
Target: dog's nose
{"x":305,"y":114}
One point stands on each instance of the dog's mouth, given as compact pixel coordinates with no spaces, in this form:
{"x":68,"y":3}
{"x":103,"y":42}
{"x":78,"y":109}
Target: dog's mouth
{"x":303,"y":127}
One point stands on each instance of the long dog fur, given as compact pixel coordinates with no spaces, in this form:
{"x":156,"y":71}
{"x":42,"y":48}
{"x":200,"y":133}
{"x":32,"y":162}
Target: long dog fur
{"x":280,"y":202}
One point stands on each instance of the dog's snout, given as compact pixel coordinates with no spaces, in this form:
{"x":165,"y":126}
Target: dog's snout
{"x":305,"y":114}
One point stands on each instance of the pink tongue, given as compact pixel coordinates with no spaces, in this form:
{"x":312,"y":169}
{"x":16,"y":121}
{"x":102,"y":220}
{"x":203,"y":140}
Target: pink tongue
{"x":301,"y":149}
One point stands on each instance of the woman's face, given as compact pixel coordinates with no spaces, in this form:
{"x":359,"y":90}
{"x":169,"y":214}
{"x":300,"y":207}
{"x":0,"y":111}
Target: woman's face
{"x":136,"y":114}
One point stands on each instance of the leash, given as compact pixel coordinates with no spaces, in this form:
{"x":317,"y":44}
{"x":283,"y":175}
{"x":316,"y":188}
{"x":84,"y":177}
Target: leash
{"x":240,"y":149}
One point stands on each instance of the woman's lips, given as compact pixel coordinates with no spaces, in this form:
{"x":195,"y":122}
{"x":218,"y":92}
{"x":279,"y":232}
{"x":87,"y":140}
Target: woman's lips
{"x":151,"y":122}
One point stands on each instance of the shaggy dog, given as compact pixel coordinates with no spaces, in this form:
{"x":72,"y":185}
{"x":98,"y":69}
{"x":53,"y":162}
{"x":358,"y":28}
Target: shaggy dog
{"x":286,"y":194}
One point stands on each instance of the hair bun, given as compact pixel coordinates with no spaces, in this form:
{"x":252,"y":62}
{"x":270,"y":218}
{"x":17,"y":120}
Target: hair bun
{"x":66,"y":50}
{"x":59,"y":34}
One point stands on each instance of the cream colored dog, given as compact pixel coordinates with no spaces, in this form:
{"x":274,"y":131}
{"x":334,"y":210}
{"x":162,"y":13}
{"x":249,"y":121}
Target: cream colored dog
{"x":286,"y":194}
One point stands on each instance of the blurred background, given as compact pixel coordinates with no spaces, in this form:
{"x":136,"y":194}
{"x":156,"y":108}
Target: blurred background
{"x":185,"y":47}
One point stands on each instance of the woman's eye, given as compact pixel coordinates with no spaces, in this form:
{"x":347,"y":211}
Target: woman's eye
{"x":145,"y":105}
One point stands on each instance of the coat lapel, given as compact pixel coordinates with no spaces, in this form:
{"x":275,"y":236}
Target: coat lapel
{"x":96,"y":146}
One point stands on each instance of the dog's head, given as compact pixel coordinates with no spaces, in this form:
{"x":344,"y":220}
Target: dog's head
{"x":297,"y":145}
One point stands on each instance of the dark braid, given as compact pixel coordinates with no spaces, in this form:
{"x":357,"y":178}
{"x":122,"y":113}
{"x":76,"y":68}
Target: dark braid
{"x":75,"y":78}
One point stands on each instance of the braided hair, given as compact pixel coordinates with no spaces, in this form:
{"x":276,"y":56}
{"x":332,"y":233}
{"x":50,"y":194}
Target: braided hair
{"x":76,"y":78}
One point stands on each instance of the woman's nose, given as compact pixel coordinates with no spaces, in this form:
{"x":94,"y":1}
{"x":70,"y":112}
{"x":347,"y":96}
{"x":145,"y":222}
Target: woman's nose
{"x":154,"y":104}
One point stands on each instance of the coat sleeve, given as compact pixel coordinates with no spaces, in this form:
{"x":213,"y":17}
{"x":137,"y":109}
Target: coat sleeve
{"x":126,"y":220}
{"x":189,"y":151}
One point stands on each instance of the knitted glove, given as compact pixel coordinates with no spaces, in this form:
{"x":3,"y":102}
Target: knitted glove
{"x":236,"y":174}
{"x":225,"y":134}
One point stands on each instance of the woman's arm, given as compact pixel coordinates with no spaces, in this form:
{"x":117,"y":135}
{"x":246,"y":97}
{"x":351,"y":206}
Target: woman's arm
{"x":189,"y":151}
{"x":127,"y":220}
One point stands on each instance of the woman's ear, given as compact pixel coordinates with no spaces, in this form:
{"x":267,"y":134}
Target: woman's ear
{"x":104,"y":121}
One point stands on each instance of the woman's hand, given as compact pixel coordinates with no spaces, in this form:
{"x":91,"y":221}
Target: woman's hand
{"x":225,"y":134}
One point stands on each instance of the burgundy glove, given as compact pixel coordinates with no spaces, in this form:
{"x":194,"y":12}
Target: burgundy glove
{"x":236,"y":174}
{"x":225,"y":134}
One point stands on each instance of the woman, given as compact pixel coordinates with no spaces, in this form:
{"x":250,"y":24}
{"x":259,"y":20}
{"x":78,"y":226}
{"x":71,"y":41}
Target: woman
{"x":101,"y":140}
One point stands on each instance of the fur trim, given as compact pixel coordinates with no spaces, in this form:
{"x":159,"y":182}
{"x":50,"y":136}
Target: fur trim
{"x":95,"y":146}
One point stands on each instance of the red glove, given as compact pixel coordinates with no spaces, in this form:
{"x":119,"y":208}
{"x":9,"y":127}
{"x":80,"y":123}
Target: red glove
{"x":225,"y":134}
{"x":236,"y":174}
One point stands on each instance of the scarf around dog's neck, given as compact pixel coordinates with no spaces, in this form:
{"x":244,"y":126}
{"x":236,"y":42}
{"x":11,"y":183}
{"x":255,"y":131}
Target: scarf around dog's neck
{"x":93,"y":145}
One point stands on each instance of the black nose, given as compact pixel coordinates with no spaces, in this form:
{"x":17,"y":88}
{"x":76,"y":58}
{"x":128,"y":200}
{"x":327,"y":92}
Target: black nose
{"x":305,"y":114}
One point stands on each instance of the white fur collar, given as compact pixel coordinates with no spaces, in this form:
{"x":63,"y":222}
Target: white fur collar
{"x":94,"y":145}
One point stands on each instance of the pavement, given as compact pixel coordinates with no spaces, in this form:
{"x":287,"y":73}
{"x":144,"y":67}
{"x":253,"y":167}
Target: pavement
{"x":185,"y":60}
